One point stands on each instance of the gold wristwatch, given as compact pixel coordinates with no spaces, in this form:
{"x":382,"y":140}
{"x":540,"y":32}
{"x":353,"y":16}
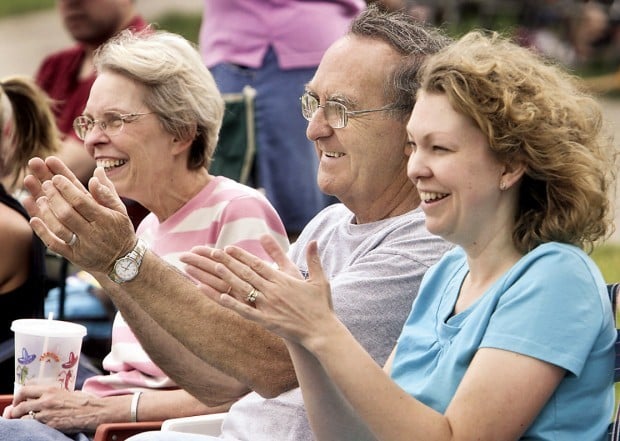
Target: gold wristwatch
{"x":126,"y":268}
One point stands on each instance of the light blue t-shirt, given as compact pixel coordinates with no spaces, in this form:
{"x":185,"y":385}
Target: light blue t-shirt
{"x":551,"y":305}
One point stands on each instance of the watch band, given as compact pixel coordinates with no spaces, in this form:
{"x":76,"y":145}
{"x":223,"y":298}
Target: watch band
{"x":135,"y":257}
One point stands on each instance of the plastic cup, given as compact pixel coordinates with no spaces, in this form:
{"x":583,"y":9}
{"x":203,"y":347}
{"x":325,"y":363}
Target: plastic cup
{"x":47,"y":352}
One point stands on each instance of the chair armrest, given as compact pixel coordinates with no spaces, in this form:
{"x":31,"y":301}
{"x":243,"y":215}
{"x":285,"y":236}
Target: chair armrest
{"x":122,"y":431}
{"x":200,"y":424}
{"x":5,"y":400}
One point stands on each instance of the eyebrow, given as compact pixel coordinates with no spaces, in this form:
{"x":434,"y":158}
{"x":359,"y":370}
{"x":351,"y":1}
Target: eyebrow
{"x":336,"y":98}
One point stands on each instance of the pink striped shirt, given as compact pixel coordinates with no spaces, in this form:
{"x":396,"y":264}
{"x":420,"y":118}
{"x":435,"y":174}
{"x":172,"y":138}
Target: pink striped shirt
{"x":223,"y":213}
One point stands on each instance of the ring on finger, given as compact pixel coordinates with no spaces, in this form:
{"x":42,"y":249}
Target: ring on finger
{"x":32,"y":414}
{"x":229,"y":289}
{"x":252,"y":295}
{"x":73,"y":240}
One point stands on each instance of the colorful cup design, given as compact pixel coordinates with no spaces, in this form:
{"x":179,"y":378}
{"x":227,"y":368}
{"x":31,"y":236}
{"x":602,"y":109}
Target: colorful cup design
{"x":47,"y":352}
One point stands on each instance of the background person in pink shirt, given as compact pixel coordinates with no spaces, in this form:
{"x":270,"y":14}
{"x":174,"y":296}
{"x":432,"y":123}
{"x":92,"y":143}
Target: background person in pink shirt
{"x":275,"y":46}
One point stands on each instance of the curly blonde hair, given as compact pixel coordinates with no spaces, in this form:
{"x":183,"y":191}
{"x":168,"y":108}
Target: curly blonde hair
{"x":534,"y":112}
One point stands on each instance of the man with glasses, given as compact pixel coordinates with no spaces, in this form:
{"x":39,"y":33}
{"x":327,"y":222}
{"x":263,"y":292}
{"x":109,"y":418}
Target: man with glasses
{"x":374,"y":246}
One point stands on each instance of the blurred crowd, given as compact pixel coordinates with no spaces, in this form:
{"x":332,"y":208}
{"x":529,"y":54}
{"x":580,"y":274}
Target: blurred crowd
{"x":577,"y":33}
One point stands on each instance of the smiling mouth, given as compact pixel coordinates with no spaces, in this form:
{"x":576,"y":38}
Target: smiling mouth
{"x":110,"y":164}
{"x":430,"y":196}
{"x":333,"y":154}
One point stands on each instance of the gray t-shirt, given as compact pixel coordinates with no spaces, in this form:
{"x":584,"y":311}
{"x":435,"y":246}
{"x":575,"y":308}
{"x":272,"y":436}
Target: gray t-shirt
{"x":375,"y":271}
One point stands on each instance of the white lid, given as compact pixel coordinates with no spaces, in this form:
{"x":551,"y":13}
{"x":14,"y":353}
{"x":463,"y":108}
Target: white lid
{"x":49,"y":328}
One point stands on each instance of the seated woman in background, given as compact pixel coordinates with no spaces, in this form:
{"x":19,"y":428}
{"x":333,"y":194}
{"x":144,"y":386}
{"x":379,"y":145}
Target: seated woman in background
{"x":27,"y":129}
{"x":511,"y":335}
{"x":151,"y":123}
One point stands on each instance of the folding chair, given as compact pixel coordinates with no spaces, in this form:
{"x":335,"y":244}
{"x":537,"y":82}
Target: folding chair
{"x":201,"y":424}
{"x":234,"y":154}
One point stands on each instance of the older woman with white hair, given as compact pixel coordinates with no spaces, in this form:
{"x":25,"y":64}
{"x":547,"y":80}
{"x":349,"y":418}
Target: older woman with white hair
{"x":151,"y":123}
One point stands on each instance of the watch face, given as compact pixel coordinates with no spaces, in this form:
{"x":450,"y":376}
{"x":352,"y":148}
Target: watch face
{"x":126,"y":268}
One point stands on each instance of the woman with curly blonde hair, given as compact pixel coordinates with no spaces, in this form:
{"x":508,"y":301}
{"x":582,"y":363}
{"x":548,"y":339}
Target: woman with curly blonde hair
{"x":511,"y":335}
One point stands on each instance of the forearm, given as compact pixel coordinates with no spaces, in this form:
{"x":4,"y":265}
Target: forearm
{"x":218,"y":337}
{"x":390,"y":413}
{"x":161,"y":405}
{"x":152,"y":406}
{"x":323,"y":401}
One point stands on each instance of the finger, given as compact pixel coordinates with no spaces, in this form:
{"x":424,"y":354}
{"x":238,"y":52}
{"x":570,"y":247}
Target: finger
{"x":275,"y":251}
{"x":249,"y":267}
{"x":58,"y":168}
{"x":202,"y":268}
{"x":47,"y":215}
{"x":44,"y":226}
{"x":39,"y":170}
{"x":243,"y":309}
{"x":104,"y":192}
{"x":60,"y":214}
{"x":29,"y":203}
{"x":232,"y":272}
{"x":313,"y":260}
{"x":66,"y":200}
{"x":7,"y":412}
{"x":316,"y":275}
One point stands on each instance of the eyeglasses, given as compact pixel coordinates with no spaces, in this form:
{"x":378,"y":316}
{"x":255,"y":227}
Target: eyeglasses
{"x":112,"y":123}
{"x":336,"y":113}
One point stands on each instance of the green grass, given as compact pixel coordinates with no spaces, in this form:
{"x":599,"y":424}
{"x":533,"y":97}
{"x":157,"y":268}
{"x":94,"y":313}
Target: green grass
{"x":607,"y":257}
{"x":187,"y":25}
{"x":13,"y":7}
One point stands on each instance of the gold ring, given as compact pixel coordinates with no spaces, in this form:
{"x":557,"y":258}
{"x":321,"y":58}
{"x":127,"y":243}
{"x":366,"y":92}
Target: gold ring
{"x":252,"y":295}
{"x":32,"y":414}
{"x":229,"y":289}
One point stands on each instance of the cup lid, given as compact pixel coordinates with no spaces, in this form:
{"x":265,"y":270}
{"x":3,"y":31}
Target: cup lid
{"x":49,"y":328}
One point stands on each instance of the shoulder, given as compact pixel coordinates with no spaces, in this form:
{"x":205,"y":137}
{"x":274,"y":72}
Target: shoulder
{"x":60,"y":63}
{"x":15,"y":231}
{"x":64,"y":56}
{"x":554,"y":275}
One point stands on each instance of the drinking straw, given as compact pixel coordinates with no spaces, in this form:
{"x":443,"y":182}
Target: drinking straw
{"x":50,"y":316}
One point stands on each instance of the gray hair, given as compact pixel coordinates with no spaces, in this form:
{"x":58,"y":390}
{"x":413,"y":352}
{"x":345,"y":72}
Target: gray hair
{"x":413,"y":39}
{"x":179,"y":88}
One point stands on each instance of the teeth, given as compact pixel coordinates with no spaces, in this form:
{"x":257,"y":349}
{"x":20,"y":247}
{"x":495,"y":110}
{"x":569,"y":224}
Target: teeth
{"x":428,"y":196}
{"x":109,"y":164}
{"x":333,"y":154}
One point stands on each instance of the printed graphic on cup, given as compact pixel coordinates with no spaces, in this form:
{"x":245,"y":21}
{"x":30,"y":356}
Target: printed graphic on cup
{"x":47,"y":352}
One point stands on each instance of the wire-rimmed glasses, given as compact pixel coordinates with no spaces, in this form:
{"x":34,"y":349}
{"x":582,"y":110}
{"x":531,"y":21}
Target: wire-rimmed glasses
{"x":112,"y":123}
{"x":336,"y":114}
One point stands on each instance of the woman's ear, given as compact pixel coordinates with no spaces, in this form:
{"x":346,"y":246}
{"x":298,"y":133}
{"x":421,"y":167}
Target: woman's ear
{"x":512,"y":174}
{"x":180,"y":145}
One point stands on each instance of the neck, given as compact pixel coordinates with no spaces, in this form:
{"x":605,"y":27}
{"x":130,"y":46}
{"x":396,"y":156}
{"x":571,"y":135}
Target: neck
{"x":173,"y":193}
{"x":388,"y":204}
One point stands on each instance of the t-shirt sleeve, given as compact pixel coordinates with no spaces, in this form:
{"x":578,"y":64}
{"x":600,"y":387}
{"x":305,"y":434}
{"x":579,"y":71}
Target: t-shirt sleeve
{"x":554,"y":299}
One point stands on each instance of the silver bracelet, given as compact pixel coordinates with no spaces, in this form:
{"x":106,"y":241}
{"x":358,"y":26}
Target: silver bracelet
{"x":134,"y":406}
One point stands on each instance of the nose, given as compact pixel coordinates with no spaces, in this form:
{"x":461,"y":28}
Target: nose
{"x":416,"y":166}
{"x":318,"y":126}
{"x":94,"y":137}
